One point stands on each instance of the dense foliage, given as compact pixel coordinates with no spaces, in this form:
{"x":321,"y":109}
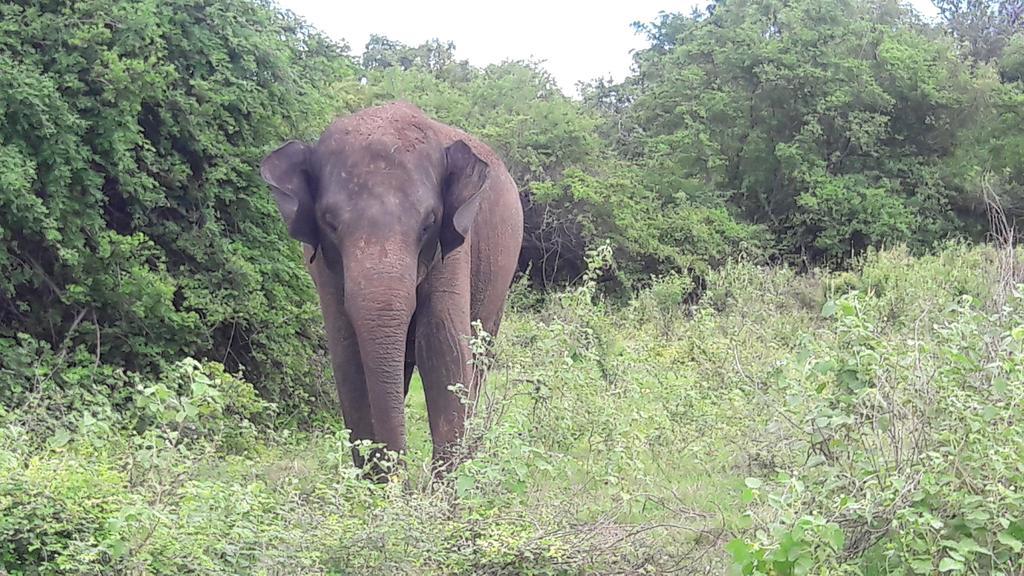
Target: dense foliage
{"x":132,"y":219}
{"x":835,"y":124}
{"x":700,"y":387}
{"x":799,"y":130}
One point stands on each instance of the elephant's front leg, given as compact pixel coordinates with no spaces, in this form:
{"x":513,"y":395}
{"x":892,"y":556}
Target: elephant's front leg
{"x":442,"y":351}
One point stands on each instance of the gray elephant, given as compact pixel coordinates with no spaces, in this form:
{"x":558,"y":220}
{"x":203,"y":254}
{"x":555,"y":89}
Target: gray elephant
{"x":411,"y":230}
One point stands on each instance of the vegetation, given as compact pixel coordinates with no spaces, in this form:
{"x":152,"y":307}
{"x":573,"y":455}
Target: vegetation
{"x":844,"y":423}
{"x":756,"y":330}
{"x":130,"y":207}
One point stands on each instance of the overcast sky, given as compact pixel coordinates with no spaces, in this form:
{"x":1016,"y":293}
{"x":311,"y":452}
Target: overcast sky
{"x":576,"y":39}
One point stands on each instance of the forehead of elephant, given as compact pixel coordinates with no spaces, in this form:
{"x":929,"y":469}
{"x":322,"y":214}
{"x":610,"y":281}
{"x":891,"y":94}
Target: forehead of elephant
{"x":370,"y":183}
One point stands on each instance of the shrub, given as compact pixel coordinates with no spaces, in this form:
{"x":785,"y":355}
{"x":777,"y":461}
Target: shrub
{"x":900,"y":437}
{"x":134,"y":223}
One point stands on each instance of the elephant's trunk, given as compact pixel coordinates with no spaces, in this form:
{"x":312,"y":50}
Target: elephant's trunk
{"x":380,"y":299}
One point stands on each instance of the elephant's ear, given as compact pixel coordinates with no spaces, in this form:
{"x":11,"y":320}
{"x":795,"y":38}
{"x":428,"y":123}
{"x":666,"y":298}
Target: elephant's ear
{"x":463,"y":183}
{"x":286,"y":170}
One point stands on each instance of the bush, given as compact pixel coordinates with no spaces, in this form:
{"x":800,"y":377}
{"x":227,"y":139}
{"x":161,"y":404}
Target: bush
{"x":837,"y":125}
{"x":899,"y":438}
{"x":55,"y":515}
{"x":651,"y":235}
{"x":134,"y":223}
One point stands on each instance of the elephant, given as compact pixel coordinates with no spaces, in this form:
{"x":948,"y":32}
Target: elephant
{"x":411,"y":230}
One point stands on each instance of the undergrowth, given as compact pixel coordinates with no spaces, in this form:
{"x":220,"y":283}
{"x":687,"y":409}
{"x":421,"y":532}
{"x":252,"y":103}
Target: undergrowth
{"x":866,"y":422}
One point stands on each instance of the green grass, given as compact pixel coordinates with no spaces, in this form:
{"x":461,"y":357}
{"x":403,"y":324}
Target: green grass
{"x":762,"y":431}
{"x":417,"y":427}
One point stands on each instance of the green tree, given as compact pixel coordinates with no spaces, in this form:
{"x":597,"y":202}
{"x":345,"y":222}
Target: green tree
{"x":133,"y":220}
{"x":831,"y":123}
{"x":434,"y":57}
{"x":983,"y":27}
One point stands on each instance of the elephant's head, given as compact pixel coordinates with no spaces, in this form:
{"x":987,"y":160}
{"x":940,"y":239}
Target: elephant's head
{"x":381,"y":197}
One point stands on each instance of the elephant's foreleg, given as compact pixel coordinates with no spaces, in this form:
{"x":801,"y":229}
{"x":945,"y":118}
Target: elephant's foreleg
{"x":442,"y":353}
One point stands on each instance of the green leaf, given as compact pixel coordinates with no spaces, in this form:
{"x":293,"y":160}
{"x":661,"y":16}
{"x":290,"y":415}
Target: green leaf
{"x":969,"y":545}
{"x":835,"y":537}
{"x":464,"y":483}
{"x":922,"y":566}
{"x":1009,"y":540}
{"x":989,"y":413}
{"x":803,"y":565}
{"x":746,"y":496}
{"x":116,"y":547}
{"x":739,"y":550}
{"x":948,"y":565}
{"x":60,"y":438}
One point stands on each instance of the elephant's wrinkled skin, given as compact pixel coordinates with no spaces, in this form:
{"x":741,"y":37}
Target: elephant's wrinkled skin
{"x":412,"y":229}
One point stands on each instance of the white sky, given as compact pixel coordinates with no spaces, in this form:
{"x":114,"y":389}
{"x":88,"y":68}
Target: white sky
{"x":576,"y":39}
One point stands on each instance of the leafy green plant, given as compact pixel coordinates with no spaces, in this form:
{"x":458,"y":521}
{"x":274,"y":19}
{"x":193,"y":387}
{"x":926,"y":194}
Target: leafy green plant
{"x":134,"y":224}
{"x":902,"y":429}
